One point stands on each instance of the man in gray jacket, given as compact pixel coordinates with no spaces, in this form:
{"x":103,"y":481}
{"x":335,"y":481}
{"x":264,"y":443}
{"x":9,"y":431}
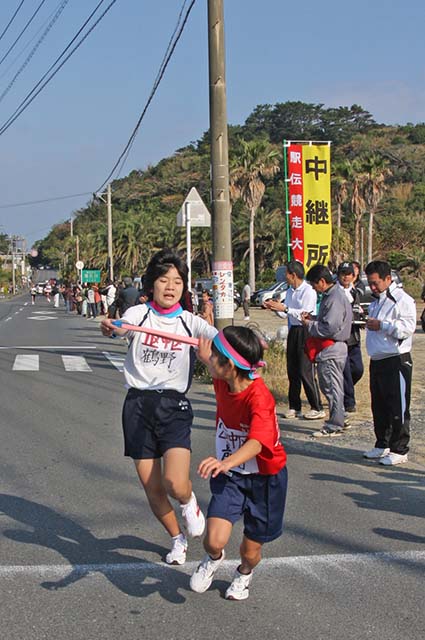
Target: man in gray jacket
{"x":327,"y":344}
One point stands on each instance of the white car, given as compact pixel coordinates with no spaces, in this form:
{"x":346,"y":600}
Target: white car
{"x":276,"y":292}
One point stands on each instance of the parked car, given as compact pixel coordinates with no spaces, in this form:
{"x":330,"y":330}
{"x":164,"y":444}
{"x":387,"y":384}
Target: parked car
{"x":207,"y":284}
{"x":277,"y":291}
{"x":40,"y":287}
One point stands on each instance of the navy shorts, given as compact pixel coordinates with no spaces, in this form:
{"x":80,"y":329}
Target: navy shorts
{"x":259,"y":499}
{"x":154,"y":422}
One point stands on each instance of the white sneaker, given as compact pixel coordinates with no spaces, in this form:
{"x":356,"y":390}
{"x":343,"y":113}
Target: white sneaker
{"x":193,"y":517}
{"x":291,"y":413}
{"x":376,"y":453}
{"x":177,"y":555}
{"x":326,"y":432}
{"x":393,"y":458}
{"x":246,"y":318}
{"x":314,"y":414}
{"x":239,"y":588}
{"x":203,"y":576}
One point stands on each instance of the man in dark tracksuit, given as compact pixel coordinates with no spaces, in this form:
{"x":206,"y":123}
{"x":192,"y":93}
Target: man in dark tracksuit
{"x":353,"y":369}
{"x":390,"y":325}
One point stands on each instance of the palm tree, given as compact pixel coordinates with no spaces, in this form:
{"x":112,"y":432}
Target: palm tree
{"x":343,"y":174}
{"x":254,"y":162}
{"x":374,"y":187}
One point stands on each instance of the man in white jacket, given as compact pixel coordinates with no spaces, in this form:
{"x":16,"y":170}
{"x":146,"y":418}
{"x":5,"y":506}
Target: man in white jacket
{"x":390,"y":327}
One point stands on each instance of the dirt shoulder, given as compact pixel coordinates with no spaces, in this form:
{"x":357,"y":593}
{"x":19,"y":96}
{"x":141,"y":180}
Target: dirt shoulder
{"x":361,"y":434}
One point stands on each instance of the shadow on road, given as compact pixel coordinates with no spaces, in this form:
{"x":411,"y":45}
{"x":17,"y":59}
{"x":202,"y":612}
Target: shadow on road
{"x":88,"y":554}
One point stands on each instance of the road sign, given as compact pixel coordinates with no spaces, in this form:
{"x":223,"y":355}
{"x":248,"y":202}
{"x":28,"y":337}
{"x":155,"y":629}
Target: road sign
{"x":194,"y":207}
{"x":79,"y":265}
{"x":90,"y":275}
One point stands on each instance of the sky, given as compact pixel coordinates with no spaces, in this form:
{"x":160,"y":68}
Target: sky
{"x":66,"y":142}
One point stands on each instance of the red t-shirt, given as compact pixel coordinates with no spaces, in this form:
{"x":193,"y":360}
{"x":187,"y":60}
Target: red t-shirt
{"x":248,"y":415}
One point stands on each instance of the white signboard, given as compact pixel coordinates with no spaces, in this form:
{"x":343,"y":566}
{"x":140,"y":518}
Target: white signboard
{"x":223,"y":289}
{"x":79,"y":265}
{"x":194,"y":207}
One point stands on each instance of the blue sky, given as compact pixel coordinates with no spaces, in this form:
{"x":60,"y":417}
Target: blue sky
{"x":67,"y":141}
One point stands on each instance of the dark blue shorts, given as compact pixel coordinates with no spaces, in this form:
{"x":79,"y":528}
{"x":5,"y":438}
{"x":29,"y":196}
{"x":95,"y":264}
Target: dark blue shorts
{"x":154,"y":422}
{"x":259,"y":499}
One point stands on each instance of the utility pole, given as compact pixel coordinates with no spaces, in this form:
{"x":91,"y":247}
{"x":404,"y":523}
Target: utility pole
{"x":108,"y":203}
{"x":110,"y":252}
{"x":222,"y":267}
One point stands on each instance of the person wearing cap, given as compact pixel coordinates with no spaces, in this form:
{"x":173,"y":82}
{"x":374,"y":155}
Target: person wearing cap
{"x":390,"y":326}
{"x":353,"y":369}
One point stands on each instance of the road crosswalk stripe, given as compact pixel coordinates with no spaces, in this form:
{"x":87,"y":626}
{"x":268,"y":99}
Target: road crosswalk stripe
{"x":26,"y":362}
{"x":117,"y":361}
{"x":75,"y":363}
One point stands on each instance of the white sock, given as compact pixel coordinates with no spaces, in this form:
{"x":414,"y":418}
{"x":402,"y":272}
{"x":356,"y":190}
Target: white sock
{"x":180,"y":537}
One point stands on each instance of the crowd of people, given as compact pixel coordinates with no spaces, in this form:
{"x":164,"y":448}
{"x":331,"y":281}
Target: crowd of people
{"x":325,"y":317}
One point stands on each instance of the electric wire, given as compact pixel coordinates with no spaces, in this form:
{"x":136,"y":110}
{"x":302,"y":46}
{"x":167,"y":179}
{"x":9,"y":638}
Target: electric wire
{"x":34,"y":49}
{"x":12,"y":19}
{"x":12,"y":46}
{"x":157,"y":76}
{"x":6,"y":71}
{"x":24,"y":204}
{"x":163,"y":67}
{"x":27,"y":100}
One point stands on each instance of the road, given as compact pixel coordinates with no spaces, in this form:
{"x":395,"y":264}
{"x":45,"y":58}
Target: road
{"x":81,"y":556}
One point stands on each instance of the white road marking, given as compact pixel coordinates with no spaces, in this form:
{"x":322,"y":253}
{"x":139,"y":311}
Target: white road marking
{"x":26,"y":362}
{"x":42,"y":318}
{"x":43,"y":313}
{"x":116,"y":360}
{"x":59,"y":347}
{"x":304,"y":564}
{"x":75,"y":363}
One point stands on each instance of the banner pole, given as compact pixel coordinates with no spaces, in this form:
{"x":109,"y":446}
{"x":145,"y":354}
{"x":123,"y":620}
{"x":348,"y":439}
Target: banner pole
{"x":287,"y":211}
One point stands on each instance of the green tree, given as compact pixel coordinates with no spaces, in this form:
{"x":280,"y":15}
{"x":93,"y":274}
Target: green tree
{"x":253,"y":163}
{"x":376,"y":171}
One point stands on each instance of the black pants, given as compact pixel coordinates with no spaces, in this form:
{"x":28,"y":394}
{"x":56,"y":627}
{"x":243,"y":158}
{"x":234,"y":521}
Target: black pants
{"x":390,"y":385}
{"x":353,"y":371}
{"x":300,"y":371}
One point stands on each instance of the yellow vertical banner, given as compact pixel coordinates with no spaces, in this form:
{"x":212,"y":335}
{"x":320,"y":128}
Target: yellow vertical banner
{"x":316,"y":183}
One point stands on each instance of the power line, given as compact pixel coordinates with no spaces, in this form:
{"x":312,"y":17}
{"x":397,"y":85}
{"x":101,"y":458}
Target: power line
{"x":158,"y":79}
{"x":27,"y":101}
{"x":6,"y":71}
{"x":23,"y":31}
{"x":12,"y":19}
{"x":34,"y":49}
{"x":24,"y":204}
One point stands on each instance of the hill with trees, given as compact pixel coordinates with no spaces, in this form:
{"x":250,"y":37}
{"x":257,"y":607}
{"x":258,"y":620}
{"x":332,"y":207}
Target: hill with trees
{"x":378,"y":198}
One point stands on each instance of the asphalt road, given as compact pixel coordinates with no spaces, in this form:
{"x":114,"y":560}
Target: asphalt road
{"x":81,"y":556}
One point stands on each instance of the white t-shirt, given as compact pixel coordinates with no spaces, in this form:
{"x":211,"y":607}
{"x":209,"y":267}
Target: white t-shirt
{"x":158,"y":363}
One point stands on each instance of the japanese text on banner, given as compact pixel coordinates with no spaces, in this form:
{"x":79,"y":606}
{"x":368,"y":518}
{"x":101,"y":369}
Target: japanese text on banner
{"x":310,"y":203}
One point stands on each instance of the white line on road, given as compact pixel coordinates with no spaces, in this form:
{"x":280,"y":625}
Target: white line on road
{"x":37,"y":347}
{"x":75,"y":363}
{"x":26,"y":362}
{"x":302,"y":563}
{"x":117,"y":361}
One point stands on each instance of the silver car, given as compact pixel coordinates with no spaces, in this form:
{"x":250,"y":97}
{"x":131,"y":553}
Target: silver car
{"x":276,"y":292}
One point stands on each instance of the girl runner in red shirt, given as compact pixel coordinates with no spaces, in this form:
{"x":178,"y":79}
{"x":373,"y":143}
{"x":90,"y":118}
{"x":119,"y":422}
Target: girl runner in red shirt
{"x":248,"y":474}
